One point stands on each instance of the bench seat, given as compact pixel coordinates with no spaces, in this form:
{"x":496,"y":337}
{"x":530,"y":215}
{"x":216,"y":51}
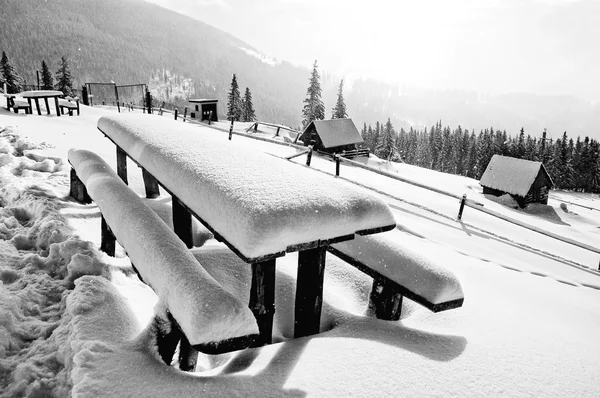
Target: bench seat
{"x":207,"y":314}
{"x":20,"y":104}
{"x":70,"y":104}
{"x":392,"y":260}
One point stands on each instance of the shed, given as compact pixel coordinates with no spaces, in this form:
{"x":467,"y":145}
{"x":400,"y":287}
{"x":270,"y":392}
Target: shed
{"x":205,"y":109}
{"x":334,"y":135}
{"x":525,"y":180}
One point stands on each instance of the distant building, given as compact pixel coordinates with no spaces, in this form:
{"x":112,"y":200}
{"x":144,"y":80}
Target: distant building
{"x":526,"y":181}
{"x":334,"y":135}
{"x":205,"y":109}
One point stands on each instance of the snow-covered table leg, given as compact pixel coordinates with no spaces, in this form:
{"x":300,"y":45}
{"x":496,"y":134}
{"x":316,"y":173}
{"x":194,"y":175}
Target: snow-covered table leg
{"x":262,"y":299}
{"x":309,"y":291}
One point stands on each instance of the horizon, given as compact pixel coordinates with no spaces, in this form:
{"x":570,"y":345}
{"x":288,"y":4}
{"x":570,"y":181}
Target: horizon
{"x":465,"y":45}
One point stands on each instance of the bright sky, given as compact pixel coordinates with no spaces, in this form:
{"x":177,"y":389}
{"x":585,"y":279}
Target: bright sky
{"x":539,"y":46}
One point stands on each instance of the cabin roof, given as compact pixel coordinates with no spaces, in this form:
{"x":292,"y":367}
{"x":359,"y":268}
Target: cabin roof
{"x":511,"y":175}
{"x":335,"y":132}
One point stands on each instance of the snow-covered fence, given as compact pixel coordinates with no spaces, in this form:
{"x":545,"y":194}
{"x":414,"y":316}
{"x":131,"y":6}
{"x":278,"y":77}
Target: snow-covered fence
{"x":398,"y":270}
{"x":260,"y":206}
{"x":211,"y":319}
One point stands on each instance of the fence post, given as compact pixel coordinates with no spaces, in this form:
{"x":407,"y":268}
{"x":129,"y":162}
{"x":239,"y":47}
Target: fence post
{"x":309,"y":155}
{"x":118,"y":107}
{"x":337,"y":165}
{"x":184,"y":114}
{"x":176,"y":111}
{"x":230,"y":129}
{"x":462,"y":206}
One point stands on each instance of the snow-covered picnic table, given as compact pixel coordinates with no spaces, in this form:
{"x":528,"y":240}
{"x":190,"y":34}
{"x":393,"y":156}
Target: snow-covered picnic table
{"x":36,"y":95}
{"x":260,"y":206}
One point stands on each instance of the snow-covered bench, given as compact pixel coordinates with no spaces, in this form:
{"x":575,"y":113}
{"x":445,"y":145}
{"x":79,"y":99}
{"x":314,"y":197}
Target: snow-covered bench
{"x":16,"y":104}
{"x":400,"y":269}
{"x":70,"y":104}
{"x":260,"y":206}
{"x":211,"y":319}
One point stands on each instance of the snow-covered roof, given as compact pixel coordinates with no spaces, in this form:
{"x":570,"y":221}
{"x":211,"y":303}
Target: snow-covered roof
{"x":336,"y":132}
{"x":260,"y":204}
{"x":511,"y":175}
{"x":204,"y":310}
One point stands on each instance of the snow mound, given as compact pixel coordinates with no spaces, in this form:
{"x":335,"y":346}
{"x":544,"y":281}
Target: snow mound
{"x":404,"y":259}
{"x":205,"y":312}
{"x":259,"y":203}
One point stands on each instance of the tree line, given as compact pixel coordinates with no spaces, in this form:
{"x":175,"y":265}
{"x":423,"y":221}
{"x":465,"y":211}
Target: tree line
{"x":572,"y":165}
{"x":14,"y":83}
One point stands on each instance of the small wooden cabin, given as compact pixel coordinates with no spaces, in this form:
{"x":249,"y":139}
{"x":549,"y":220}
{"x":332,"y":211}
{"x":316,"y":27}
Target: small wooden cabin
{"x":525,"y":180}
{"x":205,"y":109}
{"x":332,"y":136}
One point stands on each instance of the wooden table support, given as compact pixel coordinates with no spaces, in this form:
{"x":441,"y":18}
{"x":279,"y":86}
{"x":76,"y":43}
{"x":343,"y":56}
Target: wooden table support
{"x":150,"y":184}
{"x":182,"y":222}
{"x":78,"y":190}
{"x":262,"y":299}
{"x":309,"y":291}
{"x":108,"y":240}
{"x":384,"y":301}
{"x":122,"y":164}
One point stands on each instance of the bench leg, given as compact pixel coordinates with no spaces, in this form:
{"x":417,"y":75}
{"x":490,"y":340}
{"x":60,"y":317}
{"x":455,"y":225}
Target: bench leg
{"x":309,"y":291}
{"x":77,"y":190}
{"x":182,"y":223}
{"x":47,"y":106}
{"x":168,"y":336}
{"x":122,"y":165}
{"x":150,"y":184}
{"x":262,"y":299}
{"x":107,"y":239}
{"x":384,"y":302}
{"x":56,"y":105}
{"x":188,"y":356}
{"x":37,"y":106}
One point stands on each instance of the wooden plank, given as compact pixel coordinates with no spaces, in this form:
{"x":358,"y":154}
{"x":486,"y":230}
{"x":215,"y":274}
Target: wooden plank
{"x":309,"y":291}
{"x":182,"y":222}
{"x":262,"y":299}
{"x":107,"y":238}
{"x":122,"y":164}
{"x":150,"y":185}
{"x":384,"y":301}
{"x":78,"y":190}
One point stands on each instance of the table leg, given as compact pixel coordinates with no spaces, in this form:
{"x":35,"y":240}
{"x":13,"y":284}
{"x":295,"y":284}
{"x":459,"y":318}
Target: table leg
{"x":47,"y":105}
{"x":182,"y":222}
{"x":309,"y":291}
{"x":56,"y":105}
{"x":122,"y":164}
{"x":262,"y":299}
{"x":37,"y":106}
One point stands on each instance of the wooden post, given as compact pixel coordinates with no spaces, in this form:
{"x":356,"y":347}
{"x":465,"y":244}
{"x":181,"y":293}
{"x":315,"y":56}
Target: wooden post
{"x":117,"y":97}
{"x":309,"y":155}
{"x":309,"y":291}
{"x":277,"y":132}
{"x":255,"y":127}
{"x":188,"y":356}
{"x":58,"y":107}
{"x":210,"y":113}
{"x":462,"y":206}
{"x":176,"y":111}
{"x":168,"y":335}
{"x":182,"y":222}
{"x":185,"y":113}
{"x":118,"y":107}
{"x":78,"y":190}
{"x":150,"y":184}
{"x":337,"y":165}
{"x":122,"y":165}
{"x":262,"y":299}
{"x":37,"y":105}
{"x":384,"y":301}
{"x":107,"y":242}
{"x":48,"y":106}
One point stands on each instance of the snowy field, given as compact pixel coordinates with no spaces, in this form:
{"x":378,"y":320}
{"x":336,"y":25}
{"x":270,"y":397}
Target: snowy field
{"x":75,"y":322}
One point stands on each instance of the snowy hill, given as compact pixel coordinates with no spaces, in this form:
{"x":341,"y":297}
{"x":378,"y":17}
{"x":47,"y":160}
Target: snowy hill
{"x":74,"y":321}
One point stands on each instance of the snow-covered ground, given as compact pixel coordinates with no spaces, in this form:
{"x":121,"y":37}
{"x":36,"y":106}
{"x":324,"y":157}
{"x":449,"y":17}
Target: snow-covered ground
{"x":74,"y":321}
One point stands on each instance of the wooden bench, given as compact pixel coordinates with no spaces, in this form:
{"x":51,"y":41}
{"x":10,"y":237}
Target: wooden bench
{"x":260,"y":206}
{"x":20,"y":104}
{"x":198,"y":311}
{"x":399,"y":269}
{"x":70,"y":104}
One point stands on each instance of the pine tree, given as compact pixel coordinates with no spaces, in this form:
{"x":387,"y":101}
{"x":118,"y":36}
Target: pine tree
{"x":313,"y":108}
{"x":47,"y":79}
{"x":9,"y":76}
{"x":64,"y":80}
{"x":387,"y":147}
{"x":248,"y":114}
{"x":339,"y":112}
{"x":234,"y":101}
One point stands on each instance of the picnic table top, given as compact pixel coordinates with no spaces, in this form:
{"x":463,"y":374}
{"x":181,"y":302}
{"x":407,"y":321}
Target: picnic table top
{"x":262,"y":205}
{"x":41,"y":93}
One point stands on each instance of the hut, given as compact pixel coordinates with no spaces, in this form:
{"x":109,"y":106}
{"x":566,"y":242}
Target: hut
{"x":525,"y":180}
{"x":332,"y":136}
{"x":205,"y":109}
